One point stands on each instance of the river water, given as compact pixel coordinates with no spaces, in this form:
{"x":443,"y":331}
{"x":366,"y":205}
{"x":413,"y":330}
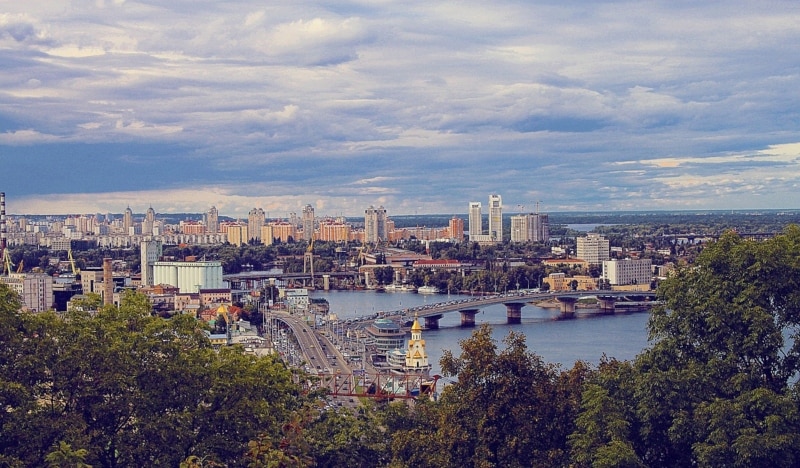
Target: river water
{"x":588,"y":337}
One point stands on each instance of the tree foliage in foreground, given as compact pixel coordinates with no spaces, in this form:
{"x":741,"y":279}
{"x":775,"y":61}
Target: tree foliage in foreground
{"x":719,"y":385}
{"x":508,"y":408}
{"x":130,"y":389}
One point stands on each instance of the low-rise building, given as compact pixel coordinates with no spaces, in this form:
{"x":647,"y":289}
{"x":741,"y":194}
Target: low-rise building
{"x":386,"y":335}
{"x":628,"y":272}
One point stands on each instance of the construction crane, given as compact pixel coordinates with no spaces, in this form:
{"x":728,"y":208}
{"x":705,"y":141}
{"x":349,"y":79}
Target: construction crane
{"x":75,"y":270}
{"x":20,"y":266}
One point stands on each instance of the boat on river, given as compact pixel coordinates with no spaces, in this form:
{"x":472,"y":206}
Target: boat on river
{"x":427,"y":290}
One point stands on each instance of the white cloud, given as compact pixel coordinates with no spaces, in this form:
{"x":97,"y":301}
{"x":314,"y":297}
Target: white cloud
{"x":25,"y":137}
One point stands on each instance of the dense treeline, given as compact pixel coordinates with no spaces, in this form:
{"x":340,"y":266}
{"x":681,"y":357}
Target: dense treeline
{"x":718,"y":387}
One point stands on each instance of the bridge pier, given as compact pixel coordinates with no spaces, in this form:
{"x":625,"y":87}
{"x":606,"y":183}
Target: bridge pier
{"x":432,"y":321}
{"x":468,"y":317}
{"x":567,"y":307}
{"x":326,"y":282}
{"x":607,"y":304}
{"x":514,"y":312}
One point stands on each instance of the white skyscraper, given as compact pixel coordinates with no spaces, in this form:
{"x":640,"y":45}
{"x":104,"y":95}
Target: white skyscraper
{"x":495,"y":218}
{"x":475,"y":220}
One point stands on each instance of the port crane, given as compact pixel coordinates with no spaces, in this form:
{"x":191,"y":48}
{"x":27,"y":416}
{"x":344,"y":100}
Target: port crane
{"x":8,"y":266}
{"x":75,"y":270}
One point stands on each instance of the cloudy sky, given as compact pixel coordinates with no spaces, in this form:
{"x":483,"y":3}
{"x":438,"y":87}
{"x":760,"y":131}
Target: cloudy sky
{"x":420,"y":106}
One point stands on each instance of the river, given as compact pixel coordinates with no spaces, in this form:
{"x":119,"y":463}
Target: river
{"x":588,"y":337}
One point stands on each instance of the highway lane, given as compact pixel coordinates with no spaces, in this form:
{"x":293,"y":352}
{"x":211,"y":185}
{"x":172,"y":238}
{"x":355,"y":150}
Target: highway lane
{"x":320,"y":354}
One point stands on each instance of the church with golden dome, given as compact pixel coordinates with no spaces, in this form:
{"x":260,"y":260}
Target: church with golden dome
{"x":416,"y":357}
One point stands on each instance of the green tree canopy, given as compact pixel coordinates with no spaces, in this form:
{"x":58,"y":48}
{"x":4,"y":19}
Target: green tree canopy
{"x":719,"y":385}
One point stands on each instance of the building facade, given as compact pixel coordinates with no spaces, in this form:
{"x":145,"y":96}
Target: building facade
{"x":475,"y":220}
{"x":148,"y":226}
{"x":189,"y":277}
{"x":386,"y":335}
{"x":628,"y":272}
{"x":375,"y":225}
{"x":496,"y":218}
{"x":308,"y":222}
{"x":212,"y":220}
{"x":530,"y":228}
{"x":593,"y":248}
{"x":237,"y":234}
{"x":455,"y":229}
{"x":416,"y":357}
{"x":255,"y":219}
{"x":150,"y":251}
{"x":334,"y":230}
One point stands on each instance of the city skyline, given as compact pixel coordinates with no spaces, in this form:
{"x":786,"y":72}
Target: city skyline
{"x":419,"y":107}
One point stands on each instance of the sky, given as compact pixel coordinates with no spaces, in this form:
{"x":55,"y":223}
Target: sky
{"x":419,"y":106}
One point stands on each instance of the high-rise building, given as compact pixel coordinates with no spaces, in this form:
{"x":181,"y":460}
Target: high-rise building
{"x":334,"y":230}
{"x":593,"y":248}
{"x":149,"y":222}
{"x":284,"y":231}
{"x":375,"y":225}
{"x":308,"y":222}
{"x":456,"y":228}
{"x":541,"y":228}
{"x":530,"y":227}
{"x":520,"y":231}
{"x":495,"y":218}
{"x":127,"y":221}
{"x":37,"y":292}
{"x":150,"y":253}
{"x":475,"y":220}
{"x":267,"y":235}
{"x":255,"y":220}
{"x":237,"y":234}
{"x":212,"y":220}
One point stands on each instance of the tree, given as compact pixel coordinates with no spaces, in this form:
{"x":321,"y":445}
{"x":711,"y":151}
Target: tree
{"x":508,"y":408}
{"x":63,"y":456}
{"x":719,"y":385}
{"x":131,"y":389}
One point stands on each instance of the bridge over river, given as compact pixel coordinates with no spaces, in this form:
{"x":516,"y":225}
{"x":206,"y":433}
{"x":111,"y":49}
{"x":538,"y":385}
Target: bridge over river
{"x":608,"y":302}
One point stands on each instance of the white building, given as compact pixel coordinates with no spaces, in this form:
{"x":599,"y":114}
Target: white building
{"x":593,"y":248}
{"x":496,"y":217}
{"x":628,"y":272}
{"x":150,"y":253}
{"x":475,"y":220}
{"x":189,"y":277}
